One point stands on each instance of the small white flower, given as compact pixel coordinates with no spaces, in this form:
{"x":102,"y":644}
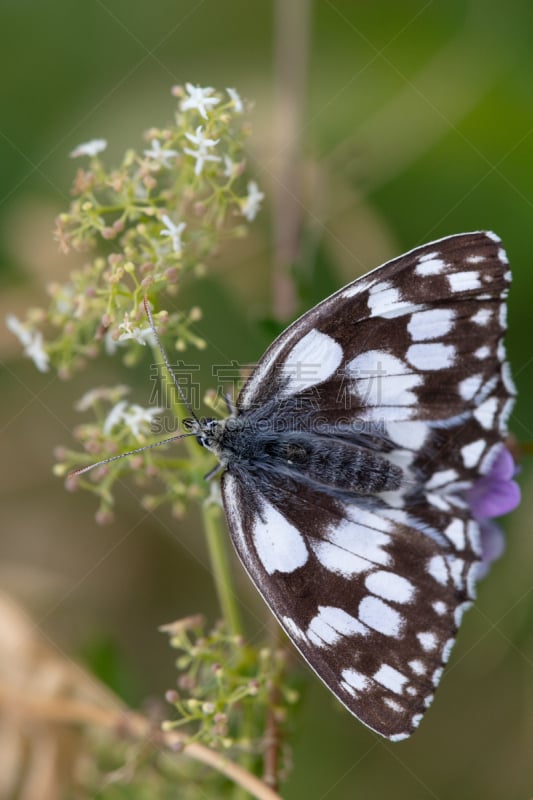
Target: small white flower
{"x":32,"y":342}
{"x":130,"y":331}
{"x":201,"y":155}
{"x":238,"y":105}
{"x":100,"y":393}
{"x":174,"y":231}
{"x":199,"y":99}
{"x":114,"y":417}
{"x":37,"y":353}
{"x":91,"y":148}
{"x":135,"y":417}
{"x":15,"y":326}
{"x":159,"y":154}
{"x":229,"y":167}
{"x":251,"y":204}
{"x":138,"y":418}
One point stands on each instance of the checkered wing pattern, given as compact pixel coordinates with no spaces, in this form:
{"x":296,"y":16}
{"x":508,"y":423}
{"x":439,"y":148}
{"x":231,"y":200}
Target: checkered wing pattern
{"x":370,"y":580}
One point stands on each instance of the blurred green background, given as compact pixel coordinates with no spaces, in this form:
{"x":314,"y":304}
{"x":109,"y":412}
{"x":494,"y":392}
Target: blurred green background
{"x":417,"y":122}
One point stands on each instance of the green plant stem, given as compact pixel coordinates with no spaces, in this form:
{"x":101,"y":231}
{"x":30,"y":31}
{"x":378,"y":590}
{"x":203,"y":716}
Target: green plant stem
{"x":218,"y":555}
{"x":214,"y":532}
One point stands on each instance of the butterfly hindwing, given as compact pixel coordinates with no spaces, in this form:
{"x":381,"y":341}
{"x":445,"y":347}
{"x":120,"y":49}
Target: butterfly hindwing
{"x":407,"y":362}
{"x":371,"y":604}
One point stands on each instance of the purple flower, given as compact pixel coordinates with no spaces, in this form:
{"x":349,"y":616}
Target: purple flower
{"x":491,"y":496}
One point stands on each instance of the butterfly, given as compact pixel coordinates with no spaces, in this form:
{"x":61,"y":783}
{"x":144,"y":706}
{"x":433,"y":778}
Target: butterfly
{"x":346,"y":465}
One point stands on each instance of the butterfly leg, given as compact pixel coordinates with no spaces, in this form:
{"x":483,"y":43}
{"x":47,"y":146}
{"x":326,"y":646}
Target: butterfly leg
{"x":214,"y":472}
{"x":230,"y":404}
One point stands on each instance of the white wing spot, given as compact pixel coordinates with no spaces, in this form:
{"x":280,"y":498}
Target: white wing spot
{"x":390,"y":586}
{"x":474,"y":259}
{"x":408,"y":434}
{"x":355,"y":679}
{"x":428,"y":640}
{"x":455,"y":532}
{"x":439,"y":607}
{"x":429,"y":256}
{"x":504,"y":414}
{"x":486,"y":412}
{"x":482,"y":352}
{"x":459,"y":612}
{"x":428,"y":700}
{"x":438,"y":570}
{"x":394,"y":704}
{"x":507,"y":378}
{"x":435,"y":356}
{"x":488,"y":388}
{"x":417,"y":666}
{"x":493,"y":236}
{"x":311,"y":361}
{"x":338,"y":560}
{"x":431,"y":324}
{"x":279,"y":545}
{"x":503,"y":316}
{"x":330,"y":624}
{"x":436,"y":500}
{"x":441,"y":478}
{"x":417,"y":719}
{"x":502,"y":255}
{"x":471,"y":453}
{"x":399,"y":737}
{"x":382,"y":298}
{"x":380,"y":616}
{"x":430,"y":265}
{"x":391,"y":678}
{"x":481,"y":317}
{"x":474,"y":536}
{"x":363,"y":539}
{"x":456,"y":566}
{"x":472,"y":579}
{"x":383,"y":380}
{"x":469,"y":387}
{"x":447,"y":649}
{"x":464,"y":281}
{"x":437,"y":675}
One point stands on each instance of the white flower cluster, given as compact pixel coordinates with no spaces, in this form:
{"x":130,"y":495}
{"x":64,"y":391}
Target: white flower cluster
{"x":201,"y":99}
{"x":135,"y":417}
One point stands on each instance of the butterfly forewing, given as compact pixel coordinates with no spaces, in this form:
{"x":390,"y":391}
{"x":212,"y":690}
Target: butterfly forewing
{"x":407,"y":362}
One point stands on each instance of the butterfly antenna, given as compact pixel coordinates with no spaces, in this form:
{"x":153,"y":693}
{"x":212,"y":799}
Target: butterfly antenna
{"x":167,"y":363}
{"x":76,"y":472}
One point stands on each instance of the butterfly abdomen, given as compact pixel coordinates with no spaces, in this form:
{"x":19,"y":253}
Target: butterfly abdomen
{"x":324,"y":461}
{"x":339,"y":465}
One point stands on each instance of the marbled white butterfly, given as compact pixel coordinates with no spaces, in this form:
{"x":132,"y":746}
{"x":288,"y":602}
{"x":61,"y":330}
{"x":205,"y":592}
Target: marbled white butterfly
{"x":347,"y":463}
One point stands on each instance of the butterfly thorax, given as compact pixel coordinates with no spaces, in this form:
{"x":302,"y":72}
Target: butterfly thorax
{"x":240,"y":442}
